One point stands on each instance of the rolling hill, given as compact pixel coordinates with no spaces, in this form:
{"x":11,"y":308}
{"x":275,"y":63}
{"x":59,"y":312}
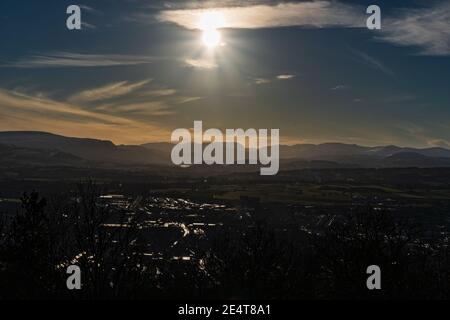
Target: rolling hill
{"x":46,"y":149}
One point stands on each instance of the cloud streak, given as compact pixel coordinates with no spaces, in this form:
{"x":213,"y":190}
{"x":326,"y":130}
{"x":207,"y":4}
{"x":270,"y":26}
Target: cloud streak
{"x":21,"y":111}
{"x":285,"y":77}
{"x":308,"y":14}
{"x":427,"y":29}
{"x":78,"y":60}
{"x":109,"y":91}
{"x":280,"y":77}
{"x":201,"y":63}
{"x":372,"y":62}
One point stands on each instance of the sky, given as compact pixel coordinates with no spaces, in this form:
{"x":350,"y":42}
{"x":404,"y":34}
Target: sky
{"x":138,"y":70}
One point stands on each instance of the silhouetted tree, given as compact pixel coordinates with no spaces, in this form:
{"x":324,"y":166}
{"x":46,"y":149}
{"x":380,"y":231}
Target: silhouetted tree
{"x":359,"y":240}
{"x":27,"y":251}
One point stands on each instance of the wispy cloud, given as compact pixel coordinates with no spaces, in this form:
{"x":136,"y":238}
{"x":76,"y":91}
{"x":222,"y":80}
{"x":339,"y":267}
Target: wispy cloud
{"x":372,"y":62}
{"x":40,"y":105}
{"x":148,"y":108}
{"x":427,"y":29}
{"x":310,"y":14}
{"x":280,"y":77}
{"x":70,"y":60}
{"x":261,"y":81}
{"x":439,"y":143}
{"x":285,"y":77}
{"x":160,"y":92}
{"x":201,"y":63}
{"x":22,"y":111}
{"x":86,"y":25}
{"x":183,"y":100}
{"x":89,"y":9}
{"x":112,"y":90}
{"x":206,"y":4}
{"x":133,"y":100}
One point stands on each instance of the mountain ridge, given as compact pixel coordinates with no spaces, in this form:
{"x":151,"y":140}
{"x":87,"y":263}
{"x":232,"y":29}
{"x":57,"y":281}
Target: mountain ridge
{"x":105,"y":151}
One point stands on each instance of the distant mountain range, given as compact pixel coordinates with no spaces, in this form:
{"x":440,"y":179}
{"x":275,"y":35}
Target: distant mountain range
{"x":96,"y":151}
{"x":41,"y":148}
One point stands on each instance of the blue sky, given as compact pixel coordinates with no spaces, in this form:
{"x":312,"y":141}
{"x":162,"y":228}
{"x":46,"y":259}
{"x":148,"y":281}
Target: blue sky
{"x":138,"y":70}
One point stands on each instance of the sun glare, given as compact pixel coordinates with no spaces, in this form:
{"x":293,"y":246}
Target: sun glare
{"x":209,"y":23}
{"x":211,"y":38}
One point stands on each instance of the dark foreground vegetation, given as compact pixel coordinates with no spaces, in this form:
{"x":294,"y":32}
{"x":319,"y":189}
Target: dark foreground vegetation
{"x":253,"y":261}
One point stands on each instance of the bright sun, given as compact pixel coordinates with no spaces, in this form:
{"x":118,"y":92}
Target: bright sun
{"x":211,"y":38}
{"x":209,"y":23}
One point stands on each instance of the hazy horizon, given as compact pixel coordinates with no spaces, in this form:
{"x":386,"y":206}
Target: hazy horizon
{"x":205,"y":143}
